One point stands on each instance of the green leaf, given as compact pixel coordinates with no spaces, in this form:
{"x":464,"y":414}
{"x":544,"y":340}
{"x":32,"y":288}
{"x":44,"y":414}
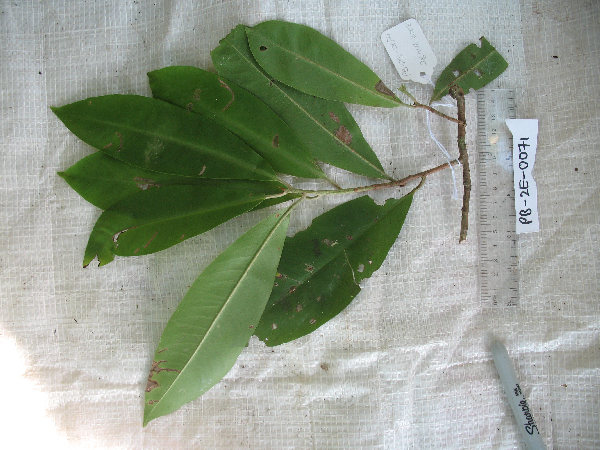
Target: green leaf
{"x":103,"y":180}
{"x":155,"y":219}
{"x":155,"y":135}
{"x":473,"y":67}
{"x":301,"y":57}
{"x":240,"y":112}
{"x":326,"y":127}
{"x":321,"y":267}
{"x":215,"y":319}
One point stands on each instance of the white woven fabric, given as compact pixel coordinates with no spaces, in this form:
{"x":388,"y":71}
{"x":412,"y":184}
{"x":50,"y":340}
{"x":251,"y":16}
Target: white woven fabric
{"x":405,"y":366}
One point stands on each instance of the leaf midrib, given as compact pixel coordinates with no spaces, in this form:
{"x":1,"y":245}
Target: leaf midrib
{"x":225,"y":303}
{"x":460,"y":77}
{"x":359,"y":156}
{"x":182,"y":216}
{"x":337,"y":255}
{"x":241,"y":162}
{"x":324,"y":68}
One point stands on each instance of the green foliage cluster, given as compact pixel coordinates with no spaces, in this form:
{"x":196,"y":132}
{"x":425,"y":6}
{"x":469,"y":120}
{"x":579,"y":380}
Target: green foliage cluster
{"x":208,"y":147}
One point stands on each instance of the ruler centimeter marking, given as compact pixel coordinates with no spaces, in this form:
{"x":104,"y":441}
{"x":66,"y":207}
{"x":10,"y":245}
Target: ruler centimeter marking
{"x":498,"y":253}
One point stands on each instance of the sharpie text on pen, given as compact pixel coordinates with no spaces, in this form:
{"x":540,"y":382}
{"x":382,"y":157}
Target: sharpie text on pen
{"x":530,"y":425}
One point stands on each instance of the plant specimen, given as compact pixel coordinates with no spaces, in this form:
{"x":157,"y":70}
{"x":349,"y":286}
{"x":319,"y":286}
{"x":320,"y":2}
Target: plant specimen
{"x":209,"y":147}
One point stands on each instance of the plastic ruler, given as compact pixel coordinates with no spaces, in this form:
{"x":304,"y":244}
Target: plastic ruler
{"x":498,"y":252}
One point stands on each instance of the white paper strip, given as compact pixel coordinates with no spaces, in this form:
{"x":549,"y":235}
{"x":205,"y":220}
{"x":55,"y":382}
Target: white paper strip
{"x":525,"y":132}
{"x":410,"y":52}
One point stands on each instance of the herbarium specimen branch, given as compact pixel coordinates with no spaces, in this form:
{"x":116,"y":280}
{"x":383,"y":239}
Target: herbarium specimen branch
{"x":209,"y":147}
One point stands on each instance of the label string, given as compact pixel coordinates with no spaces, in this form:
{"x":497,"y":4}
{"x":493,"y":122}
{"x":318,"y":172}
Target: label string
{"x":438,"y":143}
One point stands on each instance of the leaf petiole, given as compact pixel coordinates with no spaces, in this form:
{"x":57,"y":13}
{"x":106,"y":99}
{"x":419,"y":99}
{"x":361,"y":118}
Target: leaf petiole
{"x":312,"y":194}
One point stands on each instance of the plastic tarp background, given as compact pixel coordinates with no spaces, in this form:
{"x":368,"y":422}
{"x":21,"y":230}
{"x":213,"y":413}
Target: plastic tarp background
{"x":405,"y":365}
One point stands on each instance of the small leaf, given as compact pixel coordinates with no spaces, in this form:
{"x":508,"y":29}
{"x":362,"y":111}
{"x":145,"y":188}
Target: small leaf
{"x":473,"y":67}
{"x":155,"y":135}
{"x":319,"y":123}
{"x":303,"y":58}
{"x":155,"y":219}
{"x":103,"y":180}
{"x":214,"y":321}
{"x":240,"y":112}
{"x":321,"y":267}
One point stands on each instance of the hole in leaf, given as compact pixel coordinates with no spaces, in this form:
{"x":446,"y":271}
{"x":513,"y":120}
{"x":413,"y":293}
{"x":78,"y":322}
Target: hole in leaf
{"x":456,"y":73}
{"x":477,"y":72}
{"x":263,"y":48}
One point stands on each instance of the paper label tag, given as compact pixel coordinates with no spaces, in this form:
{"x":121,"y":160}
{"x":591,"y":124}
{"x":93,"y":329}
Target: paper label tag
{"x":525,"y":132}
{"x":410,"y":52}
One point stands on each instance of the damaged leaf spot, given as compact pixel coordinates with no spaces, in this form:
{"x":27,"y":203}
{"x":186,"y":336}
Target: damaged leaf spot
{"x":120,"y":141}
{"x":316,"y":250}
{"x":329,"y":243}
{"x":145,"y":183}
{"x":197,"y":94}
{"x":202,"y":171}
{"x":380,"y":87}
{"x":334,"y":117}
{"x":154,"y":149}
{"x":276,"y":141}
{"x":109,"y":145}
{"x":189,"y":107}
{"x":343,"y":135}
{"x":349,"y":238}
{"x":116,"y":235}
{"x":313,"y":321}
{"x":273,"y":326}
{"x":309,"y":268}
{"x":299,"y":307}
{"x":251,"y":326}
{"x":153,"y":384}
{"x":151,"y":239}
{"x":182,"y":236}
{"x":223,"y":84}
{"x":292,"y":289}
